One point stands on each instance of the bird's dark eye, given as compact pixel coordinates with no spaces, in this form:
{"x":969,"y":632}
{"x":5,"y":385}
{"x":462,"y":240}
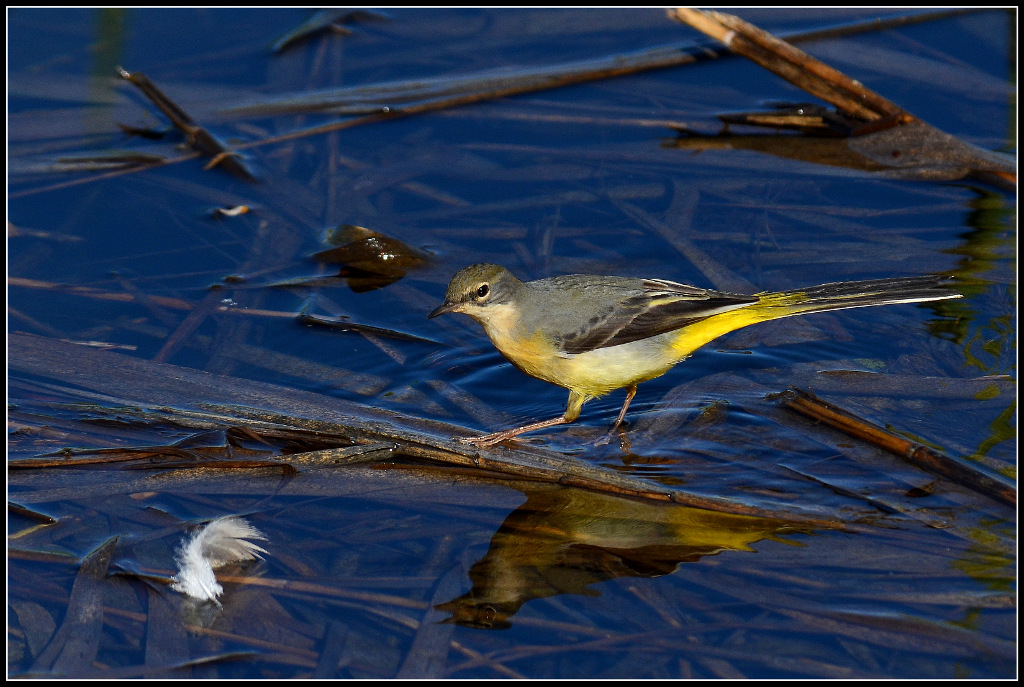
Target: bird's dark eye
{"x":482,"y":291}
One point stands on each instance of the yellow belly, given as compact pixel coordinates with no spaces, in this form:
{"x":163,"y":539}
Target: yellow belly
{"x":603,"y":370}
{"x":596,"y":372}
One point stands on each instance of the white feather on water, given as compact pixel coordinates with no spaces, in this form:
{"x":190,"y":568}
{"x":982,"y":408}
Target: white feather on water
{"x":223,"y":541}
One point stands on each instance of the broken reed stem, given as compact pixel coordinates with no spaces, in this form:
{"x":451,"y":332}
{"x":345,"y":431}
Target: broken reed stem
{"x":970,"y":476}
{"x":198,"y":137}
{"x":794,"y":65}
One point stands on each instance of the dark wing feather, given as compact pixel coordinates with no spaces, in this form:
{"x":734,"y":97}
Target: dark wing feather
{"x":662,"y":306}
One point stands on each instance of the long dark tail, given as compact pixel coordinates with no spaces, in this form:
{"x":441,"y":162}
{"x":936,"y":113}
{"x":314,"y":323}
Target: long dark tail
{"x":858,"y":294}
{"x":848,"y":294}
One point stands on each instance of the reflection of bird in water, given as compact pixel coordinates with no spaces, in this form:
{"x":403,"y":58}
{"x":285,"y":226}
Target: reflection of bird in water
{"x":563,"y":540}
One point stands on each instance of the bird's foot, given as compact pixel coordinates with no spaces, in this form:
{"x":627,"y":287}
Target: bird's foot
{"x":487,"y":439}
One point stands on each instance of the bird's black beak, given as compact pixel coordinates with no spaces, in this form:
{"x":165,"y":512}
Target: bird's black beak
{"x":445,"y":307}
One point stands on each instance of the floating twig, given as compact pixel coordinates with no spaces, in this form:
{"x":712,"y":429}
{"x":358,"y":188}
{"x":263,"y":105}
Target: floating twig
{"x":794,"y":65}
{"x":198,"y":137}
{"x":324,"y":20}
{"x":888,"y":135}
{"x":345,"y":324}
{"x":425,"y":95}
{"x":974,"y":477}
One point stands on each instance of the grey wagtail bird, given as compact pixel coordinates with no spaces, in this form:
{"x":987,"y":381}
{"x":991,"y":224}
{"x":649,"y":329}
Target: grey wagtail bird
{"x":593,"y":334}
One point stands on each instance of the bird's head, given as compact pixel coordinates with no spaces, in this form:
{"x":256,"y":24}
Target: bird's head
{"x":480,"y":291}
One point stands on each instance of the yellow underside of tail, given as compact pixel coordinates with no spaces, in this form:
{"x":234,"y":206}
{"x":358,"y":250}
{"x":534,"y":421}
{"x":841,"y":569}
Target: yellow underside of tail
{"x":771,"y":306}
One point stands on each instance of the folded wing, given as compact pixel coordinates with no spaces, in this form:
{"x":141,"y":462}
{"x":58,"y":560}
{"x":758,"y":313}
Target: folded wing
{"x":658,"y":307}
